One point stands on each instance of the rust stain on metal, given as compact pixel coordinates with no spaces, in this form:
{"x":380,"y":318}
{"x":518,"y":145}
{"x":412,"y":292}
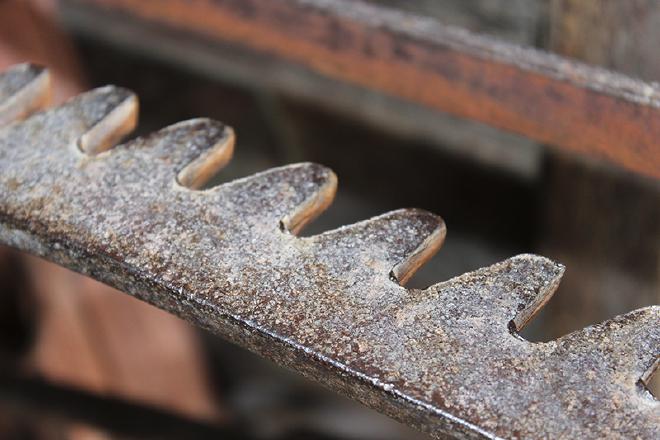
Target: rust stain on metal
{"x":542,"y":96}
{"x":445,"y":359}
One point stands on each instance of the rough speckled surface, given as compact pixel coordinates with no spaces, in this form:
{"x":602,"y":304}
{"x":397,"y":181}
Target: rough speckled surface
{"x":23,"y":89}
{"x":15,"y":79}
{"x":445,"y":359}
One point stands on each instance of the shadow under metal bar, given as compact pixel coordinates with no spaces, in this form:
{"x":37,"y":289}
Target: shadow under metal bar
{"x":108,"y":413}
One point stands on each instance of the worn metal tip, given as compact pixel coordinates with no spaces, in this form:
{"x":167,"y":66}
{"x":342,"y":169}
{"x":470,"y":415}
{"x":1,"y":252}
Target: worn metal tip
{"x":111,"y":113}
{"x":547,"y":275}
{"x":433,"y":233}
{"x":24,"y":89}
{"x":219,"y":141}
{"x":325,"y":188}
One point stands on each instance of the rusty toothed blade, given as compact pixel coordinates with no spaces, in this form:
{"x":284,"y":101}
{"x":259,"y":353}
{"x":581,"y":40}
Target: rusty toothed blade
{"x":446,"y":359}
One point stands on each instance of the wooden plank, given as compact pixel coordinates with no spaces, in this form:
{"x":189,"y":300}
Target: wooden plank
{"x":547,"y":98}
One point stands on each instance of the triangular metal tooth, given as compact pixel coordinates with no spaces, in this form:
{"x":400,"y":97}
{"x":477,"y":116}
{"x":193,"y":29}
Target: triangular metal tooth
{"x":112,"y":113}
{"x":89,"y":123}
{"x":189,"y":152}
{"x":628,"y":344}
{"x":24,"y":89}
{"x":221,"y":148}
{"x":287,"y":197}
{"x":508,"y":293}
{"x":398,"y":242}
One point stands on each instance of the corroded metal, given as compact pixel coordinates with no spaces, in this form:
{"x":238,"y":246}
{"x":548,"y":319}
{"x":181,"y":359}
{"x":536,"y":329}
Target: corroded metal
{"x":446,"y":359}
{"x":553,"y":100}
{"x":23,"y":89}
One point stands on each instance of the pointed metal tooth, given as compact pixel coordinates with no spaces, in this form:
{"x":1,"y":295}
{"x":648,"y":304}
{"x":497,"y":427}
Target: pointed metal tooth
{"x":221,"y":148}
{"x":399,"y":242}
{"x":24,"y":89}
{"x":509,"y":293}
{"x":90,"y":122}
{"x":292,"y":195}
{"x":323,"y":185}
{"x":109,"y":114}
{"x":542,"y":285}
{"x":189,"y":151}
{"x":631,"y":343}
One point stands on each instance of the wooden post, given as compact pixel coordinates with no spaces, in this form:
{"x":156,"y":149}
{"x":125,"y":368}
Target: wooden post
{"x":603,"y":224}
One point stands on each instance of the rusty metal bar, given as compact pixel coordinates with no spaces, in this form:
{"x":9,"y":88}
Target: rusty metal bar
{"x":544,"y":97}
{"x":446,"y":359}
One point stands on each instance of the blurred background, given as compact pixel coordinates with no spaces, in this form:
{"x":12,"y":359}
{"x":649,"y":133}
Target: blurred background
{"x":79,"y":360}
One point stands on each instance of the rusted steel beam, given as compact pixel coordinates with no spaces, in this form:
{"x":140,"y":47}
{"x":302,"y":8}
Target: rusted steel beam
{"x":446,"y":359}
{"x":544,"y":97}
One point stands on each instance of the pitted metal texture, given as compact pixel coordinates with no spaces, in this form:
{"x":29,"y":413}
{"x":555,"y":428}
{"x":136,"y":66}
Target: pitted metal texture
{"x":446,"y":359}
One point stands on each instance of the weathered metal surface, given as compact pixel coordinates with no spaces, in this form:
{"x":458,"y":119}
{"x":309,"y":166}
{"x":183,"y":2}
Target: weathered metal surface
{"x":446,"y":359}
{"x":23,"y":89}
{"x":544,"y":97}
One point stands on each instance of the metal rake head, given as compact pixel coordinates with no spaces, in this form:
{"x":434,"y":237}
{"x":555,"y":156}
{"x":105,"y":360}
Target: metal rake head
{"x":446,"y":359}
